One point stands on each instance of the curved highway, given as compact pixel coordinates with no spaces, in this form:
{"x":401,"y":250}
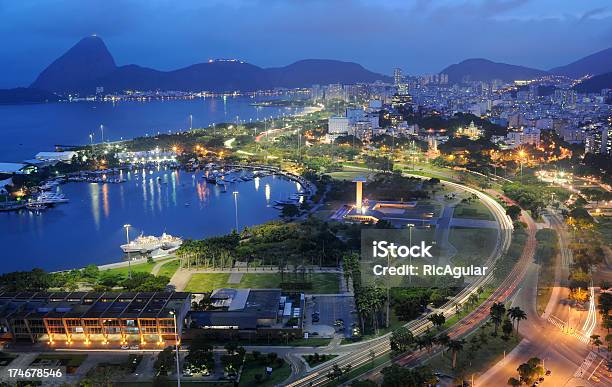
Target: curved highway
{"x":360,"y":353}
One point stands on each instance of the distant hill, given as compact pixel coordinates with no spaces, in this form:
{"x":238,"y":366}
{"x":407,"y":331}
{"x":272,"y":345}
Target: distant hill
{"x":486,"y":70}
{"x":323,"y":72}
{"x":594,"y":64}
{"x":595,"y":84}
{"x":89,"y":64}
{"x":26,"y":95}
{"x":86,"y":60}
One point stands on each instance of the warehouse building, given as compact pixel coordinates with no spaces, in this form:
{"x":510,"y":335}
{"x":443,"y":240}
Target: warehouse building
{"x":93,"y":318}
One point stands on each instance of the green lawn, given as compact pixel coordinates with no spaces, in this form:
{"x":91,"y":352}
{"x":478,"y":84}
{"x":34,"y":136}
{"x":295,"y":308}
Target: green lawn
{"x":473,"y":210}
{"x":206,"y":282}
{"x":253,"y":367}
{"x":145,"y":267}
{"x":169,"y":268}
{"x":347,"y":175}
{"x":474,"y":245}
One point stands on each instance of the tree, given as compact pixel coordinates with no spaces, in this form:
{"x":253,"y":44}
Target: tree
{"x":165,"y":361}
{"x":496,"y":313}
{"x":442,"y":339}
{"x":401,"y":339}
{"x":513,"y":212}
{"x":437,"y":319}
{"x":91,"y":272}
{"x":595,"y":341}
{"x":200,"y":360}
{"x":335,"y":373}
{"x":507,"y":328}
{"x":455,"y":346}
{"x":530,"y":370}
{"x":396,"y":376}
{"x":514,"y":382}
{"x":517,"y":314}
{"x":290,"y":211}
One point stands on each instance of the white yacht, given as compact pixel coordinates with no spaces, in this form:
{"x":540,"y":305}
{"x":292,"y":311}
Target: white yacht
{"x":50,"y":198}
{"x":170,"y":242}
{"x":142,"y":244}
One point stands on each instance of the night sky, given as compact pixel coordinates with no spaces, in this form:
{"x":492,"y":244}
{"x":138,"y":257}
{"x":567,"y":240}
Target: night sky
{"x":420,"y":36}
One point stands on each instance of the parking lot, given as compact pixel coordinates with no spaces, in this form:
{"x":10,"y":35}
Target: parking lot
{"x":330,"y":308}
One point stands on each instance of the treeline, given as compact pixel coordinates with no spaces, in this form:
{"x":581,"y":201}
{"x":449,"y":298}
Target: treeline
{"x":90,"y":277}
{"x":276,"y":243}
{"x":548,"y":246}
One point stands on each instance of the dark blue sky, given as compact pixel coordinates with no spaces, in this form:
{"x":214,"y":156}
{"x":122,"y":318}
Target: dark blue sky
{"x":420,"y":36}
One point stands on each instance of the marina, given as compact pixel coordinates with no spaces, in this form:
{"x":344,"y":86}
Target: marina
{"x":78,"y":221}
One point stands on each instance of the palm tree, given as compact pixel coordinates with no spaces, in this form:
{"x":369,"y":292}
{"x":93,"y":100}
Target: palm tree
{"x":497,"y":312}
{"x":455,"y":346}
{"x":473,"y":299}
{"x":437,"y":319}
{"x":596,"y":341}
{"x":442,"y":339}
{"x":517,"y":314}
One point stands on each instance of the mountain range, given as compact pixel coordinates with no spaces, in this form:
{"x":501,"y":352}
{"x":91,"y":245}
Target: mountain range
{"x":89,"y":64}
{"x":596,"y":64}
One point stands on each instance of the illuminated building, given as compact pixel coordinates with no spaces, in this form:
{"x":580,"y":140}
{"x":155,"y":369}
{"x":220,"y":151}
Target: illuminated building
{"x":92,"y":317}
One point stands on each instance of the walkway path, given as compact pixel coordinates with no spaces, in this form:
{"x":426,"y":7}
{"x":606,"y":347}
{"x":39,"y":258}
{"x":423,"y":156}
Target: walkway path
{"x":159,"y":265}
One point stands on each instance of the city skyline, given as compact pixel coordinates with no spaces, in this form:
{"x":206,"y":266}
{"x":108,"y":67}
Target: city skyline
{"x":140,"y":32}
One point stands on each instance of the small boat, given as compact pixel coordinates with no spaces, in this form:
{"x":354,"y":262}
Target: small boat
{"x":36,"y":206}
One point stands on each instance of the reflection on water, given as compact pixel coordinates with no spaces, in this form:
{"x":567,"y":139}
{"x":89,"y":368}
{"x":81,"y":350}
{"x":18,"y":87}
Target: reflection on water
{"x":89,"y":229}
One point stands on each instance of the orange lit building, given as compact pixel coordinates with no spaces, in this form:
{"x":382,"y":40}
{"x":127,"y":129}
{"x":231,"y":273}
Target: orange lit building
{"x":92,"y":317}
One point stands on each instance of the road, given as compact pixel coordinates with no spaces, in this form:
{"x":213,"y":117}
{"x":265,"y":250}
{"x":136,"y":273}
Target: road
{"x":570,"y":359}
{"x":360,"y":353}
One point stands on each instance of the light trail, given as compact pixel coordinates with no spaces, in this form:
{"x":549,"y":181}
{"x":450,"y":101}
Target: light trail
{"x":421,"y":325}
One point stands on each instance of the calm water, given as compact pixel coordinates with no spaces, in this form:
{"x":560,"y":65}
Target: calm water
{"x":28,"y":129}
{"x":89,"y":229}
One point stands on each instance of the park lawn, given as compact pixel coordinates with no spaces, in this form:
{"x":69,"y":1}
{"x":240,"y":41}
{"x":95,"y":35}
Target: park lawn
{"x":205,"y":282}
{"x":253,"y":367}
{"x":474,"y":245}
{"x":346,"y":175}
{"x":546,"y":282}
{"x":144,"y":267}
{"x":478,"y":361}
{"x":169,"y":268}
{"x":473,"y":210}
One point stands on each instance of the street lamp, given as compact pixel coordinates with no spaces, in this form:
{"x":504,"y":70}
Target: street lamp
{"x":410,"y":226}
{"x":178,"y":365}
{"x":127,"y":237}
{"x":235,"y":193}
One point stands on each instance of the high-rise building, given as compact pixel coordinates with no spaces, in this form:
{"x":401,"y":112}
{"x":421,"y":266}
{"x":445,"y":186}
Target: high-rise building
{"x":600,"y":141}
{"x":397,"y":76}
